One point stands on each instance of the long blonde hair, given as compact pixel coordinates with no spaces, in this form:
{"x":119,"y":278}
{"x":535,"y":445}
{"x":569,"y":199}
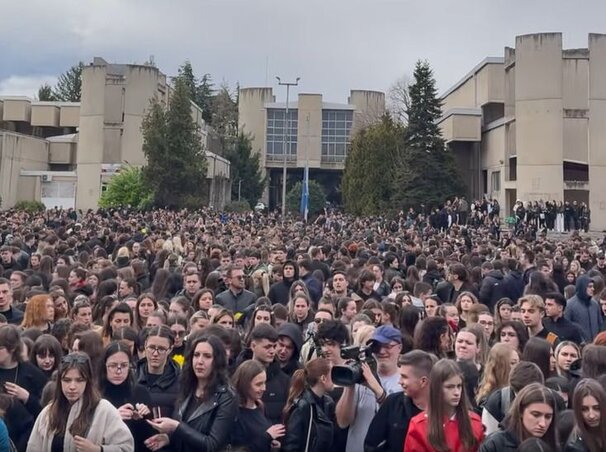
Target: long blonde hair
{"x":496,"y":371}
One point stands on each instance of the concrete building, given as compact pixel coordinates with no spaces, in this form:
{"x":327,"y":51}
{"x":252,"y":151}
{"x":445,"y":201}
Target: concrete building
{"x":319,"y":134}
{"x":63,"y":154}
{"x":531,"y":125}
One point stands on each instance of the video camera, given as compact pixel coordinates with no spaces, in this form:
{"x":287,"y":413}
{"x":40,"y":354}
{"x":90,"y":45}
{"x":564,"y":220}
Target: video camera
{"x":351,"y":373}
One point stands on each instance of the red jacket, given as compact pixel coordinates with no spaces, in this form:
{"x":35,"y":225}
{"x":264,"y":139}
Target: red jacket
{"x":416,"y":438}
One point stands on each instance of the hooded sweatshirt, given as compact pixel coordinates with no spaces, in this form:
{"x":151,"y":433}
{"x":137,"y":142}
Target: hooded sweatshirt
{"x":584,"y":310}
{"x":293,"y":332}
{"x":278,"y":293}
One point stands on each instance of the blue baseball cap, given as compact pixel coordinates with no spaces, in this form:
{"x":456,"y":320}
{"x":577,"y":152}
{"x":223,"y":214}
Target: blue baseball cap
{"x":386,"y":334}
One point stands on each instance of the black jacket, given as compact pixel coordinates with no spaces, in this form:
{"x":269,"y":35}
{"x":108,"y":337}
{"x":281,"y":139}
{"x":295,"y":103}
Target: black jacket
{"x":513,"y":285}
{"x":165,"y":389}
{"x":564,"y":329}
{"x":388,"y":428}
{"x":119,"y":395}
{"x":575,"y":444}
{"x":305,"y":414}
{"x":276,"y":392}
{"x":207,"y":428}
{"x":501,"y":441}
{"x":491,"y":289}
{"x":250,"y":431}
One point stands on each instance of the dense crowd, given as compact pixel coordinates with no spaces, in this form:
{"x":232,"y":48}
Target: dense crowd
{"x":432,"y":331}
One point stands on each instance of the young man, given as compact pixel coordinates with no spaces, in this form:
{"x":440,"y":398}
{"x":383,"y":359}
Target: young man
{"x":288,"y":349}
{"x":236,"y":298}
{"x":583,"y":310}
{"x":555,"y":322}
{"x":388,"y":428}
{"x":532,"y":309}
{"x":12,"y":314}
{"x":263,"y":341}
{"x":360,"y":402}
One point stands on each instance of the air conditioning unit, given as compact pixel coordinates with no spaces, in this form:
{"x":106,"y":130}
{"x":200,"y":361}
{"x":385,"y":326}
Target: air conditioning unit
{"x":47,"y":178}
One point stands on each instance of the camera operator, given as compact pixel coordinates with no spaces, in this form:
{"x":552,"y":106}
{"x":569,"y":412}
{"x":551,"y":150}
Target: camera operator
{"x":333,"y":334}
{"x":360,"y":402}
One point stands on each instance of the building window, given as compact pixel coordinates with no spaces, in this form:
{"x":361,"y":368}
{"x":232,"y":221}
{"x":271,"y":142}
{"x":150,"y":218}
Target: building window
{"x":276,"y":125}
{"x":336,"y":130}
{"x":495,"y":181}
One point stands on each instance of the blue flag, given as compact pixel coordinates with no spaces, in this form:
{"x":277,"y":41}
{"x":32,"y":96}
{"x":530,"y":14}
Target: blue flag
{"x":305,"y":194}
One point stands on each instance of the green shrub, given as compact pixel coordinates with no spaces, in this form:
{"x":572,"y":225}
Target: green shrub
{"x":30,"y":206}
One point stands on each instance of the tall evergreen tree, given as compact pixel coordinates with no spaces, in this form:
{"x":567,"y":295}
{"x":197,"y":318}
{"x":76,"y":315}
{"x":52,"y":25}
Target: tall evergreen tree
{"x":204,"y":97}
{"x":176,"y":164}
{"x":369,"y":167}
{"x":45,"y":93}
{"x":246,"y":174}
{"x":69,"y":85}
{"x":225,"y":115}
{"x":426,"y":172}
{"x":186,"y":73}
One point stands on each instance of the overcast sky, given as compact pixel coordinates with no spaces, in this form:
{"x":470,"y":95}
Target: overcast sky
{"x":333,"y":45}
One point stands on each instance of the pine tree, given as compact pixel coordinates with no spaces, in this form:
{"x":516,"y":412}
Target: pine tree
{"x":69,"y":85}
{"x":186,"y":73}
{"x":204,"y":98}
{"x":176,"y":164}
{"x":369,"y":167}
{"x":45,"y":93}
{"x":317,"y":197}
{"x":246,"y":174}
{"x":426,"y":172}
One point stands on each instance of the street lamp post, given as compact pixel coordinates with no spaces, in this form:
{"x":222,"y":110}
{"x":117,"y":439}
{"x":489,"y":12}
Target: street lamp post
{"x":286,"y":131}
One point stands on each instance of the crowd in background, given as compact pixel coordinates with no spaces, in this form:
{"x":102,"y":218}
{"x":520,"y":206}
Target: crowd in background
{"x":434,"y":331}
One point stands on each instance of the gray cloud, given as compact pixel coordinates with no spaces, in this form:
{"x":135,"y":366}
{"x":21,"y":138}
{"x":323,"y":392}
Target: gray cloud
{"x":333,"y":45}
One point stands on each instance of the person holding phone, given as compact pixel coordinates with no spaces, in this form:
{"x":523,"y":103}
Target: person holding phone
{"x":78,"y":418}
{"x":133,"y":401}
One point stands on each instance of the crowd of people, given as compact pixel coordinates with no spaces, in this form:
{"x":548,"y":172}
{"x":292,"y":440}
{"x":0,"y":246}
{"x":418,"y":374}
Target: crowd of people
{"x":193,"y":330}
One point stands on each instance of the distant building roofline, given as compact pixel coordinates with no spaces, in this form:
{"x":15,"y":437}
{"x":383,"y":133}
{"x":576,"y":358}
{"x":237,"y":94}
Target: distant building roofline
{"x":475,"y":70}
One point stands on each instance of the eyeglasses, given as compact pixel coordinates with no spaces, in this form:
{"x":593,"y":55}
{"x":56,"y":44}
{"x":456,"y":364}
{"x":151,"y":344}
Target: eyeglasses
{"x":318,"y":321}
{"x":75,"y":359}
{"x":179,"y":333}
{"x":389,"y":346}
{"x":117,"y":366}
{"x":153,"y":349}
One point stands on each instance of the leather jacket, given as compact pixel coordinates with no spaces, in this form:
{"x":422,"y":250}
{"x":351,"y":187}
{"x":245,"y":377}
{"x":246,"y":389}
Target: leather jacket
{"x":207,"y":429}
{"x":308,"y":420}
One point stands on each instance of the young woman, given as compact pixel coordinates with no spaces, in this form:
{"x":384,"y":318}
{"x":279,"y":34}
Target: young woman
{"x":252,"y":429}
{"x":78,"y":418}
{"x":261,"y":314}
{"x":450,"y":312}
{"x":156,"y":372}
{"x":61,"y":305}
{"x":225,"y":318}
{"x":589,"y":402}
{"x":433,"y":335}
{"x":119,"y":316}
{"x":117,"y":385}
{"x":530,"y":416}
{"x":46,"y":354}
{"x":39,"y":313}
{"x":464,"y":302}
{"x":309,"y":414}
{"x":180,"y":305}
{"x":502,"y":312}
{"x":566,"y":353}
{"x":514,"y":334}
{"x":501,"y":359}
{"x":146,"y":304}
{"x":82,"y":312}
{"x":448,"y":425}
{"x":207,"y":407}
{"x":203,"y":300}
{"x":178,"y":325}
{"x":539,"y":351}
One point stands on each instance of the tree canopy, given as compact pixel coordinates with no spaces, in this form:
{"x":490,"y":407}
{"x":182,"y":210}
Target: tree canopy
{"x":245,"y":167}
{"x":176,"y":163}
{"x":127,"y":188}
{"x":317,"y":197}
{"x":426,"y":172}
{"x":369,"y":168}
